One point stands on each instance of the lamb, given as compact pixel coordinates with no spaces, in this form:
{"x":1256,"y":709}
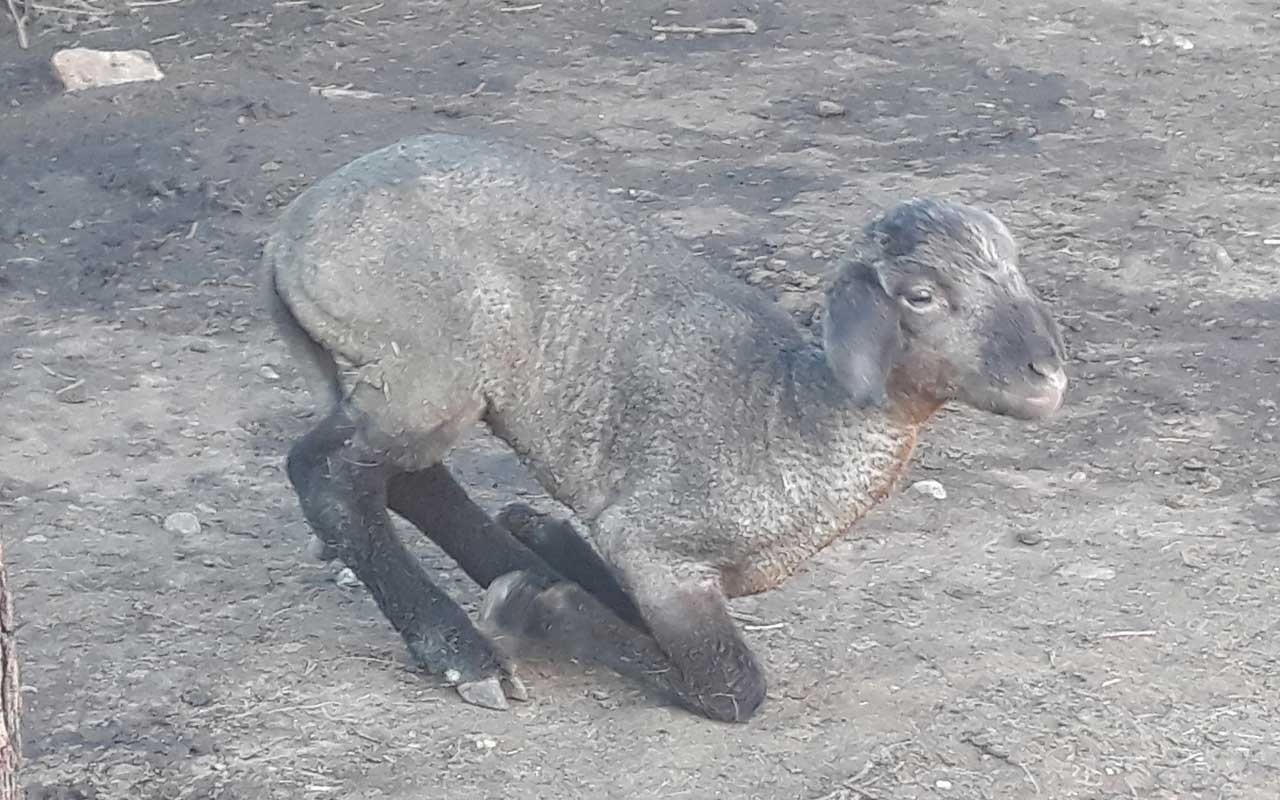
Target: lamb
{"x":705,"y":444}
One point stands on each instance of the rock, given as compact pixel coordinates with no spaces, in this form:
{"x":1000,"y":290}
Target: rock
{"x":81,"y":68}
{"x":195,"y":697}
{"x":72,"y":394}
{"x":268,"y":373}
{"x":829,"y":108}
{"x":36,"y":538}
{"x":347,"y":579}
{"x":930,"y":488}
{"x":182,"y":522}
{"x":1030,"y":538}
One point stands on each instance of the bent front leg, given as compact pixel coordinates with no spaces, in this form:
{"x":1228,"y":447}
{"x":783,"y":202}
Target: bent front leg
{"x":564,"y":549}
{"x":695,"y":653}
{"x":715,"y":672}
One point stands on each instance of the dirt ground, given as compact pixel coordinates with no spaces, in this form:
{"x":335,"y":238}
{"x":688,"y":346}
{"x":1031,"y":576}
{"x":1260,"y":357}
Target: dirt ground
{"x":1090,"y":613}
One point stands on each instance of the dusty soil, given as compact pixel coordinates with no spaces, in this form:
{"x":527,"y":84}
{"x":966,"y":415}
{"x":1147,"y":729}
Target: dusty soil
{"x":1091,"y":613}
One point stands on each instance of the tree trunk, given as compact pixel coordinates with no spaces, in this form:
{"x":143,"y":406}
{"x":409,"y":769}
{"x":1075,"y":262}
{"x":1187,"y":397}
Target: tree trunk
{"x":10,"y":693}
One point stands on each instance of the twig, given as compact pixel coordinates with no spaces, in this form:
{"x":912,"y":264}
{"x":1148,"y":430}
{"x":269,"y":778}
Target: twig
{"x":772,"y":626}
{"x":20,"y":20}
{"x":712,"y":28}
{"x":56,"y":374}
{"x":1035,"y":784}
{"x":171,"y":620}
{"x":1125,"y":634}
{"x":83,"y":12}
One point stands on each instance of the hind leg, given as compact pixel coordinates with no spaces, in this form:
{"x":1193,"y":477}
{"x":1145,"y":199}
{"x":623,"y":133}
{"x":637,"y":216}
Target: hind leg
{"x":434,"y":501}
{"x":342,"y":488}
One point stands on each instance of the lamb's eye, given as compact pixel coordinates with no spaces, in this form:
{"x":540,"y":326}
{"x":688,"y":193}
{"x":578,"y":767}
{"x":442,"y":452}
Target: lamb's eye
{"x":919,"y":298}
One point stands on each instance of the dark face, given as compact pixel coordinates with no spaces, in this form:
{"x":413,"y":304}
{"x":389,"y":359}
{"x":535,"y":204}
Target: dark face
{"x":936,"y":309}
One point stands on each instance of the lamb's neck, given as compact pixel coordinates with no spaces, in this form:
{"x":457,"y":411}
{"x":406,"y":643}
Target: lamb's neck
{"x":812,"y":397}
{"x":829,"y":462}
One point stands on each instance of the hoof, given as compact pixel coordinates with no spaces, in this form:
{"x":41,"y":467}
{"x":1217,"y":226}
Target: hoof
{"x":520,"y":519}
{"x":320,"y":550}
{"x":493,"y":692}
{"x":508,"y":601}
{"x":486,"y":693}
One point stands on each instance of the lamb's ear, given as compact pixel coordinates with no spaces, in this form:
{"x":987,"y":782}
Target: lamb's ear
{"x":861,"y":334}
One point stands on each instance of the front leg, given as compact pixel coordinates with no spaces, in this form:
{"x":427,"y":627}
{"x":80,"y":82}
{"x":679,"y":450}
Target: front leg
{"x":572,"y":556}
{"x":692,"y":652}
{"x":716,"y":674}
{"x":342,"y":488}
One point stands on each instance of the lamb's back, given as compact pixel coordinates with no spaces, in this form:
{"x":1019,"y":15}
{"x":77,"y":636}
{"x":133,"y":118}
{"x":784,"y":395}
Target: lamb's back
{"x":444,"y":271}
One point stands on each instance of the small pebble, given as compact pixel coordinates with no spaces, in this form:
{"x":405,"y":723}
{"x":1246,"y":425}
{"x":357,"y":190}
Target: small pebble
{"x":1220,"y":256}
{"x":347,"y":579}
{"x":182,"y":522}
{"x":943,"y":784}
{"x":1030,"y":537}
{"x":931,"y":488}
{"x":643,"y":195}
{"x":196,"y":697}
{"x":36,"y":538}
{"x":829,"y":108}
{"x":268,"y":373}
{"x":1099,"y":113}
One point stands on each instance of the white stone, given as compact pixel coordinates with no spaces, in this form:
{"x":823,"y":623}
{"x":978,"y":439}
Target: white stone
{"x":930,"y":488}
{"x":829,"y":108}
{"x":182,"y":522}
{"x":81,"y":68}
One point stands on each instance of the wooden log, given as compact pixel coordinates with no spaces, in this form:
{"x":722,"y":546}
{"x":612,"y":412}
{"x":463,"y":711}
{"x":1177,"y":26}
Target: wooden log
{"x":10,"y":693}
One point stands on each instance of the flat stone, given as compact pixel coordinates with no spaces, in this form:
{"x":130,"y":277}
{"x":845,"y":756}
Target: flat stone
{"x":81,"y":68}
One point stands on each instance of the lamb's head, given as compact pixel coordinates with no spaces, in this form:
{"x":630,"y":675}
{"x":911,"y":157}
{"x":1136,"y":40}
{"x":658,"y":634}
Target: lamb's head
{"x":932,"y":307}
